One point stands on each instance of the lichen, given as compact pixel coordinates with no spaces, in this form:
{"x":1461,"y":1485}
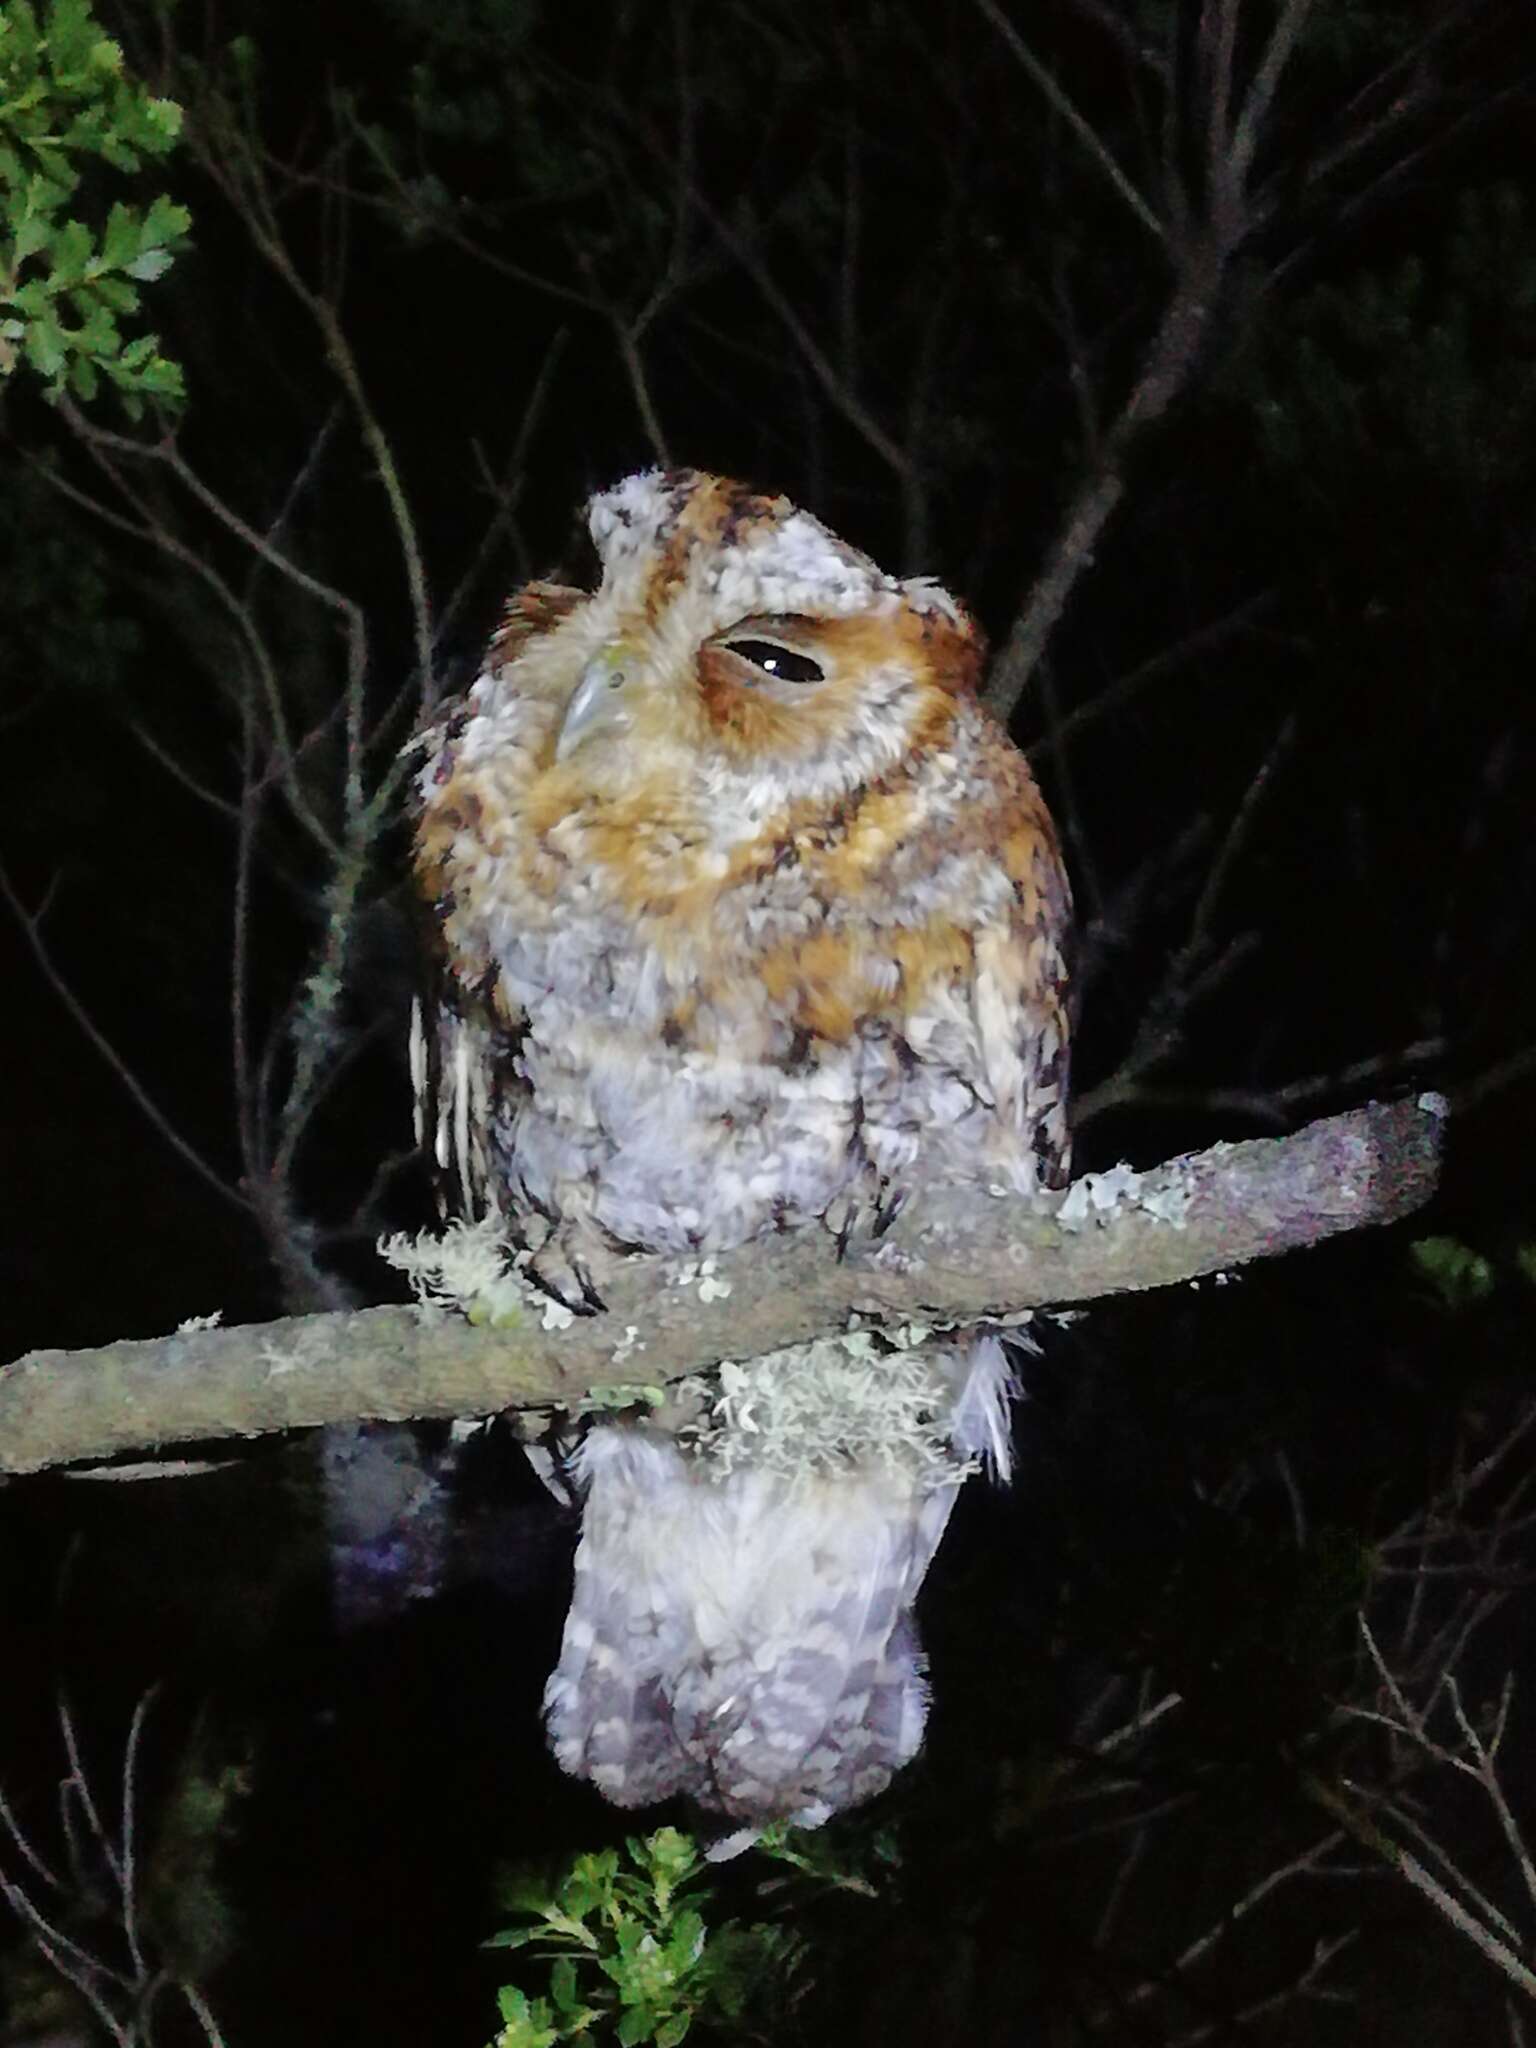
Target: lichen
{"x":1094,"y":1197}
{"x":817,"y":1408}
{"x":472,"y":1270}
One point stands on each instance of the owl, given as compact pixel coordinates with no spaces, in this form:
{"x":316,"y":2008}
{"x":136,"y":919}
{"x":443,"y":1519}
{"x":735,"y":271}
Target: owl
{"x":750,"y":917}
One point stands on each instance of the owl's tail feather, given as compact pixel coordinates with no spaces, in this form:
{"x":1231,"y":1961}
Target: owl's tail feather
{"x":747,"y":1638}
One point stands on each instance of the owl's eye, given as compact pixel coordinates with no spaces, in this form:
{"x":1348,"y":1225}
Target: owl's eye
{"x":784,"y":664}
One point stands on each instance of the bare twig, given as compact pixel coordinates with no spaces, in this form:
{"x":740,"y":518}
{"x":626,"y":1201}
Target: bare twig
{"x":1081,"y":128}
{"x":1359,"y":1824}
{"x":1305,"y":1864}
{"x":1166,"y":369}
{"x":104,"y":1873}
{"x":1195,"y":968}
{"x":31,"y":927}
{"x":1304,"y":1986}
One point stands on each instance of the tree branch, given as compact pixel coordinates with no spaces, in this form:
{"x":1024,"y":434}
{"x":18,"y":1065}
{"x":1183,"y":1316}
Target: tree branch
{"x":956,"y":1256}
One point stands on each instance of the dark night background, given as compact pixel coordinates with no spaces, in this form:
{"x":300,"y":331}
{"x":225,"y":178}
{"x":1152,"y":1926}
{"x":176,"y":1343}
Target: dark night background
{"x":854,"y":254}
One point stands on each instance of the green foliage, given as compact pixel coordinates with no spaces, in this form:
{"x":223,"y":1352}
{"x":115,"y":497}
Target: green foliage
{"x":67,"y":278}
{"x":1462,"y":1276}
{"x":1458,"y":1274}
{"x":631,"y":1959}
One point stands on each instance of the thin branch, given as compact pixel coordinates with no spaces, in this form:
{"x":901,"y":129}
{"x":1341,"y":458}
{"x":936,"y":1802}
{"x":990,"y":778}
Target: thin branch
{"x":835,"y":387}
{"x":78,"y":1783}
{"x":1115,"y":696}
{"x":1277,"y":1105}
{"x":128,"y":1875}
{"x":178,"y":773}
{"x":68,"y":1960}
{"x":1081,"y":128}
{"x":627,"y":343}
{"x":1303,"y":1987}
{"x":1277,"y":54}
{"x":228,"y":156}
{"x":1192,"y":971}
{"x":1299,"y":1866}
{"x":66,"y":995}
{"x":247,"y":1085}
{"x":260,"y":544}
{"x":1120,"y":30}
{"x":503,"y":492}
{"x":1087,"y":888}
{"x":1237,"y":835}
{"x":1370,"y":1836}
{"x":201,"y":2010}
{"x":30,"y":1855}
{"x":1218,"y":45}
{"x":154,"y":533}
{"x":1166,"y":369}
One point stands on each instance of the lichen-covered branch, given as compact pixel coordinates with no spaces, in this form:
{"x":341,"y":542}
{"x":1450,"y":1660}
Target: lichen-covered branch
{"x":955,"y":1256}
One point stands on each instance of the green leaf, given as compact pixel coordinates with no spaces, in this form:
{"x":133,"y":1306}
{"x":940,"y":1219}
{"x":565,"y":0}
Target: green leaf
{"x":164,"y":222}
{"x":72,"y":250}
{"x":161,"y":378}
{"x":45,"y":347}
{"x":627,"y":1936}
{"x":152,"y":264}
{"x":527,"y":2020}
{"x":120,"y":296}
{"x":120,"y":243}
{"x":31,"y":234}
{"x":562,"y":1984}
{"x":634,"y":2025}
{"x":513,"y":1937}
{"x":33,"y":298}
{"x":1458,"y":1274}
{"x":685,"y":1944}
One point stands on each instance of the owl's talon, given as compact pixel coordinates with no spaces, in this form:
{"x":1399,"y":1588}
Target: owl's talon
{"x":572,"y":1287}
{"x":565,"y":1263}
{"x":853,"y":1222}
{"x":592,"y":1302}
{"x":842,"y":1218}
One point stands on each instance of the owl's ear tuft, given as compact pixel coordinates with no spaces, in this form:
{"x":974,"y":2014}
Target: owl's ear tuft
{"x":955,"y":644}
{"x":535,"y":609}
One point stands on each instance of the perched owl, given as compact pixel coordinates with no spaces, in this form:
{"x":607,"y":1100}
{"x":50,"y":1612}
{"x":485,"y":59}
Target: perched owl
{"x":750,"y":916}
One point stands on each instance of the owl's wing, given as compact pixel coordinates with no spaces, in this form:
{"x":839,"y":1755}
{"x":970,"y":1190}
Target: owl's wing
{"x":465,"y":1032}
{"x":1019,"y":996}
{"x":462,"y":1073}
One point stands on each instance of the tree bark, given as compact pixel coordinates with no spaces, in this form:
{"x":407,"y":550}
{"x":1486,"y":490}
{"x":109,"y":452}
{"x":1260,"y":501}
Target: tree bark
{"x":957,"y":1256}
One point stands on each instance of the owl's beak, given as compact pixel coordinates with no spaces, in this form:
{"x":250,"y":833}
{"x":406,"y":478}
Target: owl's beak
{"x":599,"y":702}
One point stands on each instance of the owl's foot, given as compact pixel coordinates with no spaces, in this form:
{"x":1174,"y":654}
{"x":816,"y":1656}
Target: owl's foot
{"x":859,"y":1218}
{"x":567,"y":1261}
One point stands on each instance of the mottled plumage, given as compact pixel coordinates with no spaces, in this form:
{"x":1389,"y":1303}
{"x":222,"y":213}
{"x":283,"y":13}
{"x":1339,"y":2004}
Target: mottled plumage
{"x":751,"y":915}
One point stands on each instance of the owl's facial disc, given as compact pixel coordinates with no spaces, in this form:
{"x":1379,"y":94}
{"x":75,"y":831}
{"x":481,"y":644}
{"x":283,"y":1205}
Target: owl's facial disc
{"x":601,"y":700}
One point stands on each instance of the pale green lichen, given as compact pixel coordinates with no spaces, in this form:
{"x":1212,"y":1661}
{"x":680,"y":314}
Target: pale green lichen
{"x":816,"y":1408}
{"x":471,"y":1269}
{"x":1094,"y":1197}
{"x":700,"y":1273}
{"x":603,"y":1400}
